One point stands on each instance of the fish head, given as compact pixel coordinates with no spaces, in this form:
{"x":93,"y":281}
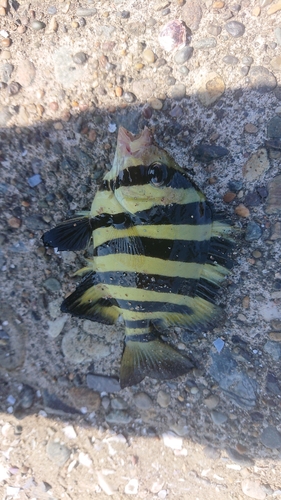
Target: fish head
{"x":142,"y":173}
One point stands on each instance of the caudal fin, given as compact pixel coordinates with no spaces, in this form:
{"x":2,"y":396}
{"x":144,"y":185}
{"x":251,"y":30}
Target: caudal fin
{"x":155,"y":359}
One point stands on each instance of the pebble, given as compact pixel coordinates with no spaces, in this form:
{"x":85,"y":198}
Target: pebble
{"x":205,"y":43}
{"x":182,"y":55}
{"x":211,"y":88}
{"x":132,"y":487}
{"x":242,"y":211}
{"x":14,"y":222}
{"x":277,"y":34}
{"x":235,"y":29}
{"x":163,"y":399}
{"x":38,"y":25}
{"x":270,"y":437}
{"x":256,"y":165}
{"x":253,"y":489}
{"x":6,"y":71}
{"x":63,"y":68}
{"x":218,"y":417}
{"x":80,"y":58}
{"x":119,"y":404}
{"x":172,"y":441}
{"x":211,"y":452}
{"x":2,"y":11}
{"x":172,"y":36}
{"x":129,"y":97}
{"x":232,"y":60}
{"x":56,"y":327}
{"x":54,"y":405}
{"x":69,"y":432}
{"x":229,"y":197}
{"x":118,"y":417}
{"x":143,"y":401}
{"x":6,"y":42}
{"x":256,"y":11}
{"x":80,"y":347}
{"x":178,"y":91}
{"x":274,"y":8}
{"x":214,"y":29}
{"x":35,"y":222}
{"x":105,"y":485}
{"x":58,"y":453}
{"x":82,"y":397}
{"x":262,"y":79}
{"x":191,"y":14}
{"x":274,"y":196}
{"x":25,"y":73}
{"x":274,"y":128}
{"x":103,"y":383}
{"x":209,"y":152}
{"x":211,"y":402}
{"x":143,"y":89}
{"x":5,"y":116}
{"x":52,"y":285}
{"x":276,"y":336}
{"x":82,"y":12}
{"x":148,"y":56}
{"x":239,"y":458}
{"x":250,"y":128}
{"x":273,"y":349}
{"x":253,"y":231}
{"x":276,"y":63}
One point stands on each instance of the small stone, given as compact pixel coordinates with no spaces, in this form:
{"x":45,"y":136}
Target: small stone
{"x":129,"y":97}
{"x":52,"y":285}
{"x":274,"y":196}
{"x":172,"y":441}
{"x":156,"y":104}
{"x":119,"y":404}
{"x":53,"y":25}
{"x":273,"y":349}
{"x":274,"y":128}
{"x":56,"y":327}
{"x":6,"y":42}
{"x":118,"y":417}
{"x":178,"y":91}
{"x":2,"y":11}
{"x":214,"y":30}
{"x":265,"y":3}
{"x":103,"y":383}
{"x":277,"y":34}
{"x":58,"y":453}
{"x":84,"y":459}
{"x":218,"y":417}
{"x":274,"y":8}
{"x":232,"y":60}
{"x":205,"y":43}
{"x":132,"y":487}
{"x":163,"y":399}
{"x":182,"y":55}
{"x":14,"y":222}
{"x":80,"y":347}
{"x":235,"y":29}
{"x":143,"y":401}
{"x":275,"y":336}
{"x":191,"y":14}
{"x":25,"y":73}
{"x":253,"y":489}
{"x":242,"y":211}
{"x":69,"y":432}
{"x":82,"y":397}
{"x":82,"y":12}
{"x":262,"y":80}
{"x":172,"y":36}
{"x":118,"y":91}
{"x":239,"y":458}
{"x":253,"y":232}
{"x":271,"y":438}
{"x":5,"y":115}
{"x":211,"y":452}
{"x":209,"y":152}
{"x":211,"y":89}
{"x":211,"y":402}
{"x":80,"y":58}
{"x":256,"y":165}
{"x":38,"y":25}
{"x":148,"y":56}
{"x":250,"y":128}
{"x":105,"y":485}
{"x":256,"y":11}
{"x":144,"y":89}
{"x":229,"y":197}
{"x":276,"y":63}
{"x":218,"y":4}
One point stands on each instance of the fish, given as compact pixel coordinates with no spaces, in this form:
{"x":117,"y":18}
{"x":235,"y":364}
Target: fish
{"x":161,"y":254}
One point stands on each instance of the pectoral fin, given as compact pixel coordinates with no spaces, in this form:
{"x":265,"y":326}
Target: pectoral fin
{"x":72,"y":234}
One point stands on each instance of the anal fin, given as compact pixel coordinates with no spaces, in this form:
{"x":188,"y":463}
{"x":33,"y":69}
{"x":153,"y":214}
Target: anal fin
{"x":155,"y":359}
{"x":72,"y":234}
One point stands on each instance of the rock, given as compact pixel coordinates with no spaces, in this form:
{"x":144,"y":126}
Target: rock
{"x":191,"y":14}
{"x":38,"y":25}
{"x":25,"y":73}
{"x":242,"y":211}
{"x":143,"y":401}
{"x":119,"y":404}
{"x":253,"y":231}
{"x":172,"y":36}
{"x":275,"y":336}
{"x":205,"y":43}
{"x":182,"y":55}
{"x":211,"y":89}
{"x":80,"y":347}
{"x":252,"y":488}
{"x":6,"y":72}
{"x":178,"y":91}
{"x":229,"y":59}
{"x":54,"y":405}
{"x":277,"y":34}
{"x":52,"y":284}
{"x":211,"y":402}
{"x":257,"y":164}
{"x":163,"y":399}
{"x":56,"y":327}
{"x":34,"y":180}
{"x":250,"y":128}
{"x":214,"y":30}
{"x":273,"y":349}
{"x":211,"y":452}
{"x":103,"y":383}
{"x":129,"y":97}
{"x":235,"y":383}
{"x":274,"y":196}
{"x":105,"y":485}
{"x":58,"y":453}
{"x":118,"y":417}
{"x":132,"y":487}
{"x":82,"y":12}
{"x":209,"y":152}
{"x":80,"y":58}
{"x":13,"y":335}
{"x":239,"y":458}
{"x":275,"y":63}
{"x":274,"y":128}
{"x":82,"y":397}
{"x":271,"y":438}
{"x":65,"y":73}
{"x":272,"y":385}
{"x":172,"y":441}
{"x":148,"y":56}
{"x":144,"y":88}
{"x":235,"y":29}
{"x":35,"y":222}
{"x":274,"y":8}
{"x":5,"y":116}
{"x":218,"y":417}
{"x":261,"y":79}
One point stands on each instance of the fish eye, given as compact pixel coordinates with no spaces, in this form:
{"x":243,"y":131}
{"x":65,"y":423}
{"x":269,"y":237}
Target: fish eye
{"x":157,"y":174}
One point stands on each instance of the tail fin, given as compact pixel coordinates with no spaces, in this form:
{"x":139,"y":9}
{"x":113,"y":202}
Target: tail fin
{"x":154,"y":359}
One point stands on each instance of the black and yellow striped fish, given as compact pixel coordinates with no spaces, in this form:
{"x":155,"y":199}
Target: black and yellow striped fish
{"x":160,"y":255}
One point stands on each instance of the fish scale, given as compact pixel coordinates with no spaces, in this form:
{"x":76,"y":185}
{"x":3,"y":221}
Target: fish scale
{"x":160,"y":256}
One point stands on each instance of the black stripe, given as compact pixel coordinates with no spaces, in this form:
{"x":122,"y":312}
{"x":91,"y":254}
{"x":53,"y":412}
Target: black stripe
{"x":153,"y":306}
{"x":175,"y":250}
{"x":137,"y":323}
{"x":144,"y":337}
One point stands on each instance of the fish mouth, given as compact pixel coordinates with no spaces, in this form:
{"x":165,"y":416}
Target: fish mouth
{"x":129,"y":144}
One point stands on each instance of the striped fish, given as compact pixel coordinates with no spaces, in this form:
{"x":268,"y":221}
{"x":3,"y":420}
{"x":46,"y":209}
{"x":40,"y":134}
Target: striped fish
{"x":160,"y":255}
